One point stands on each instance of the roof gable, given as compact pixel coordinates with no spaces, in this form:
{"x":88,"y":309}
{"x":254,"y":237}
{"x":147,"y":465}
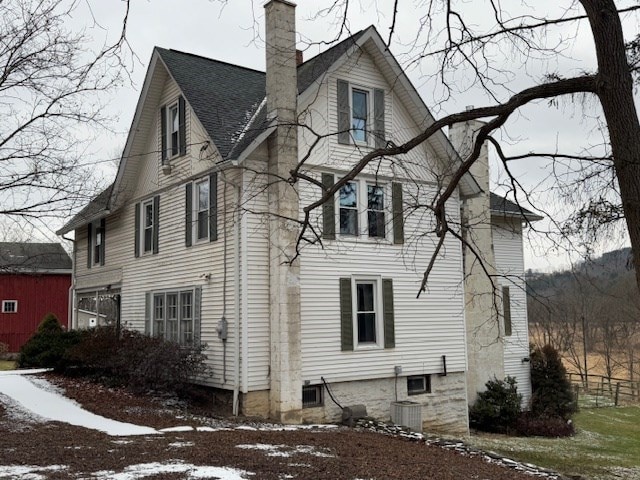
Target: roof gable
{"x":503,"y":207}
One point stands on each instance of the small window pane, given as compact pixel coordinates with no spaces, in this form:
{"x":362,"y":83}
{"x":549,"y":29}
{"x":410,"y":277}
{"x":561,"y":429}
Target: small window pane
{"x":366,"y":312}
{"x":348,"y":222}
{"x":375,"y":197}
{"x":365,"y":297}
{"x":203,"y":195}
{"x":349,"y":195}
{"x":418,"y":384}
{"x":174,"y":127}
{"x":203,"y":225}
{"x":202,"y":212}
{"x":311,"y":396}
{"x":366,"y":327}
{"x":172,"y":317}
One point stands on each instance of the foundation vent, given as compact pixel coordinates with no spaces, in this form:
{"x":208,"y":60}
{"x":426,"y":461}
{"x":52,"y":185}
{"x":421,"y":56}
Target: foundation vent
{"x":407,"y":414}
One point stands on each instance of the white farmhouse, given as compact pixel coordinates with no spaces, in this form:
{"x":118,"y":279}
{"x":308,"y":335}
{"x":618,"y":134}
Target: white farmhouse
{"x":200,"y":235}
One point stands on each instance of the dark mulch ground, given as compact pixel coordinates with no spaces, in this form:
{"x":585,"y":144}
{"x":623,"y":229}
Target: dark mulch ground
{"x":336,"y":454}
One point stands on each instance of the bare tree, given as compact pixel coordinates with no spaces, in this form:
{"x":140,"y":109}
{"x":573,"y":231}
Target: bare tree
{"x":51,"y":90}
{"x":450,"y":38}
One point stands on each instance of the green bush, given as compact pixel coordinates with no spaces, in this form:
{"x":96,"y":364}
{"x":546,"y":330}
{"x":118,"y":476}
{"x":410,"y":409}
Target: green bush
{"x":498,"y":407}
{"x":137,"y":360}
{"x":48,"y":347}
{"x":552,"y":395}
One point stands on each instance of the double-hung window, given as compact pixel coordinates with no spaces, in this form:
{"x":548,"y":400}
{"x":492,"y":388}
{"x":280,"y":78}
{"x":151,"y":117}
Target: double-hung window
{"x":363,"y":208}
{"x":366,"y":313}
{"x":174,"y":315}
{"x":355,"y":212}
{"x":173,"y":132}
{"x":359,"y":115}
{"x":349,"y":209}
{"x":147,"y":226}
{"x":96,"y":243}
{"x":201,"y":210}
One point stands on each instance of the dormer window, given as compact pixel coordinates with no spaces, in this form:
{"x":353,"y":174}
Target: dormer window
{"x":173,"y":130}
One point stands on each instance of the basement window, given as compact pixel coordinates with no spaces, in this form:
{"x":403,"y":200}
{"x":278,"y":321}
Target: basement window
{"x":312,"y":396}
{"x":417,"y":384}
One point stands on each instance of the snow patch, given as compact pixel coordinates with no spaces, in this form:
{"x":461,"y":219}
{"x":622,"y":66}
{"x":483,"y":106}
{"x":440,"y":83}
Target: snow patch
{"x":28,"y":472}
{"x":285,"y":450}
{"x":181,"y":444}
{"x":177,"y":429}
{"x":142,"y":470}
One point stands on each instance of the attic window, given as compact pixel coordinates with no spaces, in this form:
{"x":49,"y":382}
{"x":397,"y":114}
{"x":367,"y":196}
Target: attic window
{"x":173,"y":130}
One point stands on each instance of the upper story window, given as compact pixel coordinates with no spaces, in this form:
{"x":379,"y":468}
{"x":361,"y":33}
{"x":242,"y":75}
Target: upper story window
{"x":506,"y":311}
{"x":96,"y":240}
{"x":147,"y":226}
{"x":173,"y":130}
{"x":201,"y":210}
{"x":9,"y":306}
{"x":355,"y":212}
{"x":368,"y":214}
{"x":361,"y":115}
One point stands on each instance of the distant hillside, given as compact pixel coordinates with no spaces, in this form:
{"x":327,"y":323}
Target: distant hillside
{"x":606,"y":271}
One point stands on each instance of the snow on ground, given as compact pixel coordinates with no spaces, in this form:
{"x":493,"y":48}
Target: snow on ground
{"x":285,"y":450}
{"x":132,"y":472}
{"x":53,"y":406}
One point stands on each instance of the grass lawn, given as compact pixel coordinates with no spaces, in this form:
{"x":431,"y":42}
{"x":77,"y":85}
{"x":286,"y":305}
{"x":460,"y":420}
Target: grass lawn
{"x":7,"y":365}
{"x":605,"y":447}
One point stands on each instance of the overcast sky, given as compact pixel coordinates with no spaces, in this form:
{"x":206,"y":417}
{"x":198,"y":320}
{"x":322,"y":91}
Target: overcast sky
{"x":232,"y":32}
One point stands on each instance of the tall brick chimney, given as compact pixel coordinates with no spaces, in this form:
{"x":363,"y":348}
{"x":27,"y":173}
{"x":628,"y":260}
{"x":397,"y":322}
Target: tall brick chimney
{"x":285,"y":396}
{"x":484,"y":345}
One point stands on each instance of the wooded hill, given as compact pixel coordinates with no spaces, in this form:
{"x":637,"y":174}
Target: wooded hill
{"x":590,"y":313}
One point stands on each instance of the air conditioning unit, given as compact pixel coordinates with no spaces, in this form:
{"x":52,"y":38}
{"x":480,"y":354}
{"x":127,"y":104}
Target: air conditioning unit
{"x":407,"y":414}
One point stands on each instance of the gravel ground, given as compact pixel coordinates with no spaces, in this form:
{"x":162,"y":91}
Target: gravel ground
{"x":33,"y":449}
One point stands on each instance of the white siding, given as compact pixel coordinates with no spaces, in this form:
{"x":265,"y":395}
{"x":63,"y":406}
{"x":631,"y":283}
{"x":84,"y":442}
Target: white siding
{"x":507,"y":241}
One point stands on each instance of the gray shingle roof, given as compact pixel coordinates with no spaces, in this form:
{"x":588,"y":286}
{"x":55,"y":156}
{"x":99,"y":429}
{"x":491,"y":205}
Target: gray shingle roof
{"x":33,"y":257}
{"x":505,"y":207}
{"x":228,"y":99}
{"x":91,"y":211}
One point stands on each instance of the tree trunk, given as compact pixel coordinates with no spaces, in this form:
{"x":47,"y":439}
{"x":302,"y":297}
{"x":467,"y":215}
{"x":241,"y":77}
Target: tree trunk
{"x":615,"y":91}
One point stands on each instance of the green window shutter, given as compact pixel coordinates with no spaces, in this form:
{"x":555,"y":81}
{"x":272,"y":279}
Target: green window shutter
{"x":197,"y":309}
{"x":213,"y":207}
{"x":163,"y":133}
{"x":103,"y":245}
{"x":328,"y":210}
{"x":378,"y":118}
{"x":388,"y":313}
{"x":398,"y":211}
{"x":506,"y":309}
{"x":346,"y":315}
{"x":147,"y":313}
{"x":89,"y":242}
{"x":156,"y":223}
{"x":344,"y":115}
{"x":136,"y":240}
{"x":182,"y":126}
{"x":188,"y":212}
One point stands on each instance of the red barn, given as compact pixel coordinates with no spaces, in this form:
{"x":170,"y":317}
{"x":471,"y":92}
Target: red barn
{"x":34,"y":280}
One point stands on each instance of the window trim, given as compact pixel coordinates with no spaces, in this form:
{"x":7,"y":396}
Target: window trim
{"x":6,"y":303}
{"x":368,"y":120}
{"x":362,"y":208}
{"x":426,"y":384}
{"x":376,"y":280}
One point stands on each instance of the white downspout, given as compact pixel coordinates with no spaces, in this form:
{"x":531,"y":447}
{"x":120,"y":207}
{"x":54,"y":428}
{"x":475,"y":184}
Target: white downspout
{"x":71,"y":310}
{"x":236,"y":299}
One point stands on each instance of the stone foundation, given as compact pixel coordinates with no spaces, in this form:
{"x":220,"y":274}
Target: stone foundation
{"x":443,"y":411}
